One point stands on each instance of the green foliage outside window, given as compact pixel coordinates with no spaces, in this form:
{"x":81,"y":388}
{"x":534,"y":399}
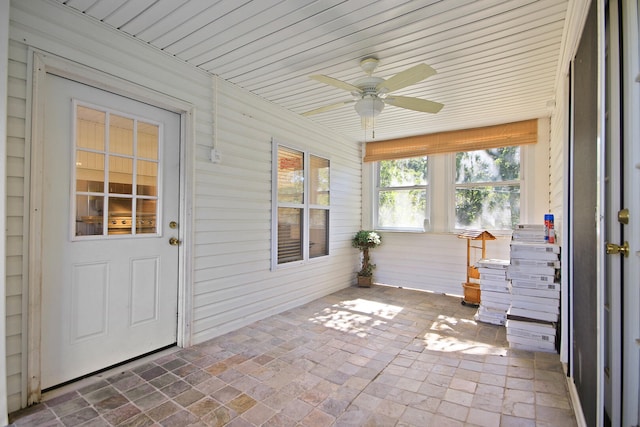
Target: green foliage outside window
{"x":402,"y":193}
{"x":488,"y":188}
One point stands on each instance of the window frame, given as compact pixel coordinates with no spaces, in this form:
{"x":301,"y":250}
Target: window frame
{"x":106,"y":193}
{"x":306,"y":207}
{"x":428,"y":188}
{"x":453,"y":186}
{"x":440,"y":215}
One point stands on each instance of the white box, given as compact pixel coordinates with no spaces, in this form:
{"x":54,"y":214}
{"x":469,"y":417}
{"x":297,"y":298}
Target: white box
{"x":542,"y":293}
{"x":555,"y":286}
{"x":529,"y":344}
{"x":523,"y":313}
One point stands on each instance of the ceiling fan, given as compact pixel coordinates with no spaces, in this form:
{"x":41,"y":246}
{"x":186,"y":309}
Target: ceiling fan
{"x":370,"y":93}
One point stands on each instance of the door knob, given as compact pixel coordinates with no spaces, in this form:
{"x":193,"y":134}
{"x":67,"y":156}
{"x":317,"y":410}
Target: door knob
{"x":613,"y":249}
{"x":623,"y":216}
{"x":174,"y":241}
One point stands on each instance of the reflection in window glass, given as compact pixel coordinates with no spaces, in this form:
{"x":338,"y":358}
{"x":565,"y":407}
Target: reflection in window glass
{"x":105,"y":174}
{"x":148,"y":140}
{"x":90,"y":125}
{"x":318,"y":232}
{"x":147,"y":178}
{"x":120,"y":175}
{"x":119,"y":220}
{"x":289,"y":235}
{"x":303,"y":221}
{"x":89,"y":171}
{"x":290,"y":176}
{"x":89,"y":218}
{"x":145,"y":216}
{"x":319,"y":181}
{"x":120,"y":135}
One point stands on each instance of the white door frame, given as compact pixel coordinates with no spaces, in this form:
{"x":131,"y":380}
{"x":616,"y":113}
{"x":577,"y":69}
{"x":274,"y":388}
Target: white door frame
{"x":44,"y":63}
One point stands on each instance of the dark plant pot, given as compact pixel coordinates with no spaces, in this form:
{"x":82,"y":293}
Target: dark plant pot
{"x":365,"y":281}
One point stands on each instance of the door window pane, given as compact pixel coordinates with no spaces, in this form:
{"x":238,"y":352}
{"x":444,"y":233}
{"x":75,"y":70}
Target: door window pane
{"x":89,"y":218}
{"x":318,"y":232}
{"x":145,"y":216}
{"x":131,"y":163}
{"x":147,"y":178}
{"x":89,"y":171}
{"x":148,"y":137}
{"x":120,"y":175}
{"x":289,"y":235}
{"x":90,"y":128}
{"x":120,"y":135}
{"x":119,"y":220}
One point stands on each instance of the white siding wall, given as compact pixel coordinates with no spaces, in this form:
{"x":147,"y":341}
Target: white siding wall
{"x":430,"y":261}
{"x":4,"y":81}
{"x":15,"y":248}
{"x":232,"y":282}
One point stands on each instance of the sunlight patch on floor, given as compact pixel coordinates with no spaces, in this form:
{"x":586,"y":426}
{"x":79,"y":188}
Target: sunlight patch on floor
{"x":450,"y":334}
{"x":356,"y":316}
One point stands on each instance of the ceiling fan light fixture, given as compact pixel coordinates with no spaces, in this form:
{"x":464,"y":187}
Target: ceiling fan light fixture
{"x":369,"y":106}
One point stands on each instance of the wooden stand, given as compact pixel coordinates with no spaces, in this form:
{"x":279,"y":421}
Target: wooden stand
{"x":472,"y":289}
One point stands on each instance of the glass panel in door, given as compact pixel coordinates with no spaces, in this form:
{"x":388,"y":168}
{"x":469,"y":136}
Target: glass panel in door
{"x":117,"y":174}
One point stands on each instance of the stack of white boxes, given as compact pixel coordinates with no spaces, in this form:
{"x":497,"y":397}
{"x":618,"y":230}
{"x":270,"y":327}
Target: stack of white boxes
{"x":535,"y":291}
{"x":495,"y":298}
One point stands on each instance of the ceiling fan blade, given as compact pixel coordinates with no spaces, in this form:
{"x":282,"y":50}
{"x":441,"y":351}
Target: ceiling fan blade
{"x":415,"y":104}
{"x":336,"y":83}
{"x":327,"y":108}
{"x":406,"y":78}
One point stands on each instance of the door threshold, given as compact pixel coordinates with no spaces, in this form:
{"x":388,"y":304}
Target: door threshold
{"x":93,"y":378}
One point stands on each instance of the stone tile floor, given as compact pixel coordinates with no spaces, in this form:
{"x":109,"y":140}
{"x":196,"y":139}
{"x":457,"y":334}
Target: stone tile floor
{"x":376,"y":356}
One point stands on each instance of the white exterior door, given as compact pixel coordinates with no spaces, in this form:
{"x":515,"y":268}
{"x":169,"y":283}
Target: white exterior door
{"x":622,"y":217}
{"x":630,"y":231}
{"x":110,"y":208}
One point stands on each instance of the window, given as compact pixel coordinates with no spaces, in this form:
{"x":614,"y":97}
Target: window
{"x":487,"y":188}
{"x":302,"y":202}
{"x":116,"y":174}
{"x":402,"y":190}
{"x":483,"y":188}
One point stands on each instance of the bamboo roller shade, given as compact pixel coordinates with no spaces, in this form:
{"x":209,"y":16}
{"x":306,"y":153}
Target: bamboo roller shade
{"x":504,"y":135}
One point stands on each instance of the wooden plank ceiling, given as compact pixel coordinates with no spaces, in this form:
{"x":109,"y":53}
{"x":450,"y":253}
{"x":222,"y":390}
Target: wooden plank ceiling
{"x":496,"y":60}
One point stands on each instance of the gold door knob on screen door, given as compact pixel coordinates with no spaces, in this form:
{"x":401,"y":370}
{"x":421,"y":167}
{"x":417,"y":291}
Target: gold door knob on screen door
{"x":174,"y":241}
{"x":613,"y":249}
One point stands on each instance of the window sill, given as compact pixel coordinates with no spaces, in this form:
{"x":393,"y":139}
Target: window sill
{"x":402,"y":230}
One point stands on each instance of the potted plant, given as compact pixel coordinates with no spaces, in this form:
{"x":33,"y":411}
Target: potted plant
{"x":365,"y":240}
